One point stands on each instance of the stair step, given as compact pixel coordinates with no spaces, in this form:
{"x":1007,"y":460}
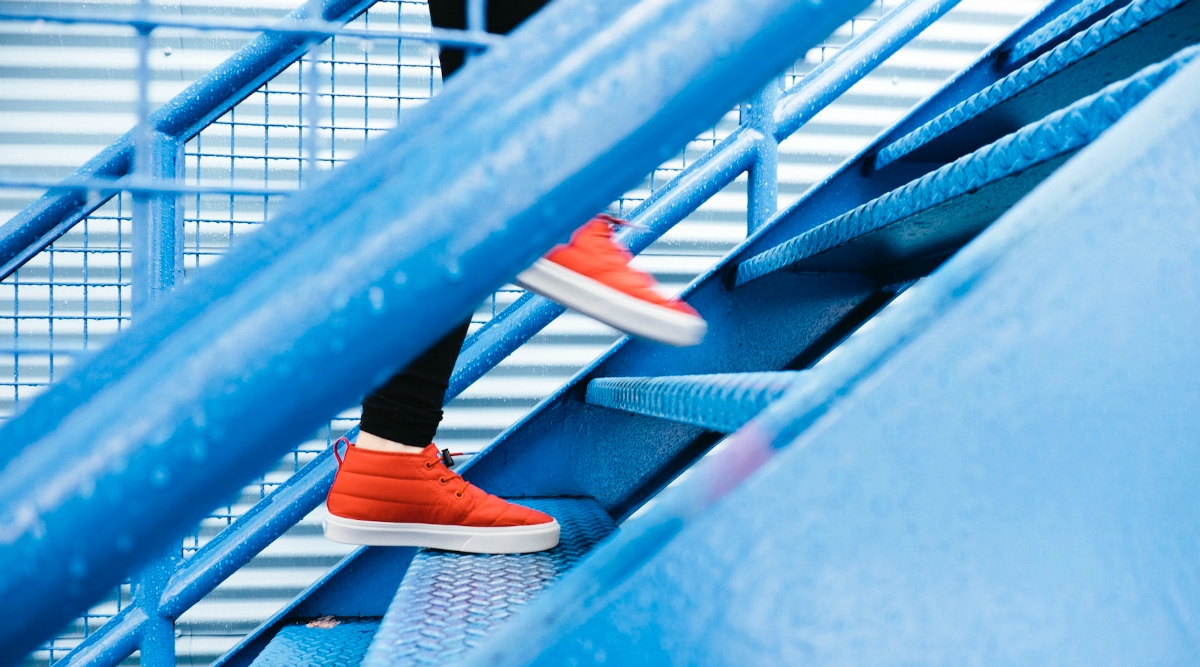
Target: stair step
{"x":1087,"y":11}
{"x":326,"y":642}
{"x":939,"y":212}
{"x":450,"y":602}
{"x":1129,"y":39}
{"x":720,"y":402}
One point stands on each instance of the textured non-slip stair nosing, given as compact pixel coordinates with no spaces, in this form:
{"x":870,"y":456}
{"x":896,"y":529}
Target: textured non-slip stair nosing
{"x":1058,"y":27}
{"x":319,"y":643}
{"x":450,"y":602}
{"x":720,"y":402}
{"x":1096,"y":38}
{"x":1054,"y":137}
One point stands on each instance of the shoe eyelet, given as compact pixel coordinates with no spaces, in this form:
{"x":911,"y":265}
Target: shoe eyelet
{"x":458,"y":494}
{"x":442,"y":480}
{"x":429,"y":465}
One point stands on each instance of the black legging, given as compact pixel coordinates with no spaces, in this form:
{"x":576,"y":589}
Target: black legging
{"x":408,"y":407}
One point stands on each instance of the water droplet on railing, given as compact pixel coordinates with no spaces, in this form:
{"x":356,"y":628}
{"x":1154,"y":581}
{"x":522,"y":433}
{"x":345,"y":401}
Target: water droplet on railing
{"x":375,"y":294}
{"x":167,"y":52}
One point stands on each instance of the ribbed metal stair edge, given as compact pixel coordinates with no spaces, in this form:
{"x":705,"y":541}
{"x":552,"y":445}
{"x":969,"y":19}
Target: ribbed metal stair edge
{"x":1059,"y":26}
{"x":1058,"y":134}
{"x":1120,"y":24}
{"x":720,"y":402}
{"x":450,"y":602}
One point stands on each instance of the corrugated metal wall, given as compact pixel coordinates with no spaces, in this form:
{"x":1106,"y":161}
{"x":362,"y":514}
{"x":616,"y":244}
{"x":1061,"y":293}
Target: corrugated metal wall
{"x":66,"y":92}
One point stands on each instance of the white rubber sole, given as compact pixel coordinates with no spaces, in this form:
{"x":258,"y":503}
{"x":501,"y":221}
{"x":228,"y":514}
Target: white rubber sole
{"x":611,"y":306}
{"x":505,"y":540}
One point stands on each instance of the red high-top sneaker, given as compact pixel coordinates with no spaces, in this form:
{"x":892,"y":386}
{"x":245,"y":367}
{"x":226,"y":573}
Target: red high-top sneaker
{"x":414,"y":500}
{"x":591,"y":274}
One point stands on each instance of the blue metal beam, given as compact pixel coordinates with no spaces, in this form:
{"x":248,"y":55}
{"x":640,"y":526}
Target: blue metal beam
{"x":1004,"y":494}
{"x":367,"y":268}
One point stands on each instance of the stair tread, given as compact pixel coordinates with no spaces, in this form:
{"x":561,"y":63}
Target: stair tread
{"x":1029,"y":86}
{"x":721,"y":401}
{"x":943,"y":209}
{"x":1058,"y":27}
{"x":450,"y":602}
{"x":335,"y":643}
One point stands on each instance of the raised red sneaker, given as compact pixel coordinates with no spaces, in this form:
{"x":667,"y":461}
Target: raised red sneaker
{"x":591,"y":274}
{"x":414,"y":500}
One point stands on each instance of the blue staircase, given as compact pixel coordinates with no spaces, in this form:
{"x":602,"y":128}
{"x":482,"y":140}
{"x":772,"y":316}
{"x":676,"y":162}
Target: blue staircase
{"x":945,"y":410}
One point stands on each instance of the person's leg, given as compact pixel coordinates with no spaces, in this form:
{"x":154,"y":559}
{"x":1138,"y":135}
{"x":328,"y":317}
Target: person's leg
{"x":501,"y":18}
{"x":392,"y":487}
{"x":403,"y":414}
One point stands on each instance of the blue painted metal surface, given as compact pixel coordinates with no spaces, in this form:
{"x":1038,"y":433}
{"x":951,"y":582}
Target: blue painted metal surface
{"x":283,"y":303}
{"x":707,"y":176}
{"x":1137,"y":35}
{"x":722,"y":402}
{"x":762,"y":189}
{"x":994,"y":472}
{"x":157,"y":224}
{"x":450,"y":602}
{"x":859,"y":57}
{"x":194,"y":578}
{"x":938,"y":212}
{"x":361,"y":586}
{"x":324,"y":642}
{"x":1062,"y":26}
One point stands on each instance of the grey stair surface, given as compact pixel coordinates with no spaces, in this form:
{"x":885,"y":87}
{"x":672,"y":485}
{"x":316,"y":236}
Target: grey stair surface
{"x":1131,"y":38}
{"x":325,"y":642}
{"x":450,"y":602}
{"x":720,"y":402}
{"x":937,"y":213}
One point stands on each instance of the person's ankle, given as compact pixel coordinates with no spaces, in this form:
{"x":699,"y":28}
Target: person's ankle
{"x":375,"y":443}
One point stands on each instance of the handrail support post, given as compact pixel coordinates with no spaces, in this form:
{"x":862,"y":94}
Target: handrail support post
{"x":157,"y":640}
{"x":762,"y":189}
{"x":157,"y":246}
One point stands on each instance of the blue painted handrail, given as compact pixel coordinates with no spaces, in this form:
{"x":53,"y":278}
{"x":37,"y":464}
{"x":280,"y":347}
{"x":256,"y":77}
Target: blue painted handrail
{"x":375,"y":263}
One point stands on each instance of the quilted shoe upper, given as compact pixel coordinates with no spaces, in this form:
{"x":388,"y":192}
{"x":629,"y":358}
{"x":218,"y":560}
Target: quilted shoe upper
{"x":418,"y":488}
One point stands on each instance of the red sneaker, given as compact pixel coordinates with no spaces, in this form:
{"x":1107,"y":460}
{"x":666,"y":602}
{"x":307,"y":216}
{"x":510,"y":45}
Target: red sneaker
{"x":413,"y":500}
{"x":591,"y":274}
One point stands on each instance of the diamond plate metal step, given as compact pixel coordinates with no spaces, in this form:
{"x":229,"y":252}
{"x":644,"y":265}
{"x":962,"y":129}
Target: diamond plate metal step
{"x":450,"y":602}
{"x":326,"y":642}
